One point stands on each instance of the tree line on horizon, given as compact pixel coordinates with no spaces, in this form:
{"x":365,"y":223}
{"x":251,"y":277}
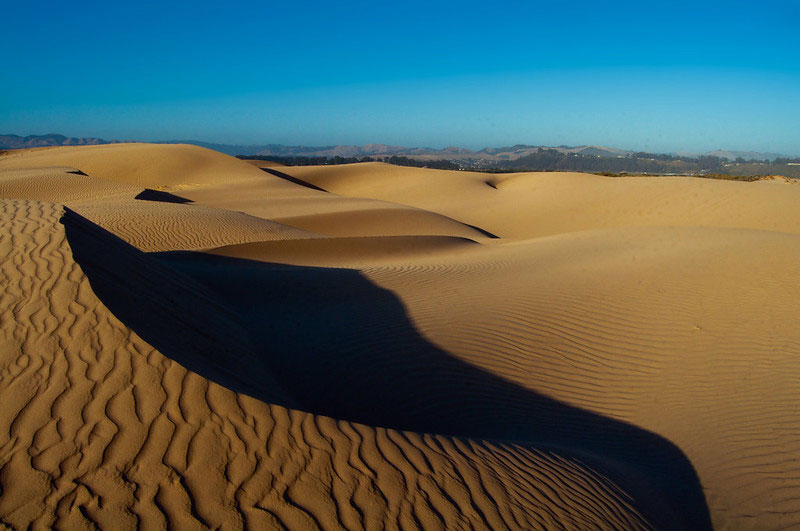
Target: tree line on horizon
{"x":549,"y":159}
{"x":397,"y":160}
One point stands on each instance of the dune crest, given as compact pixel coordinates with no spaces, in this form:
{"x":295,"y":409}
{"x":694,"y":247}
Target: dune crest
{"x":529,"y":205}
{"x":150,"y":165}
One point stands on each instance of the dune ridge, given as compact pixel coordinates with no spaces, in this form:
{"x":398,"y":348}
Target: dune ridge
{"x":119,"y":207}
{"x":147,"y":165}
{"x":528,"y":205}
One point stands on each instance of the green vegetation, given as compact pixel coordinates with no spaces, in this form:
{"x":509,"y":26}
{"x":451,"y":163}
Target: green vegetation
{"x":548,"y":159}
{"x":644,"y":163}
{"x":723,"y":176}
{"x":729,"y":177}
{"x":319,"y":161}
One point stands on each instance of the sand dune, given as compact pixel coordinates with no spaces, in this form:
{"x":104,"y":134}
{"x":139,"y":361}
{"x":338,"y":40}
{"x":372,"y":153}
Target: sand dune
{"x":154,"y":226}
{"x":150,"y":219}
{"x":103,"y":429}
{"x":327,"y":213}
{"x":59,"y":184}
{"x":349,"y":252}
{"x":529,"y":205}
{"x":151,"y":165}
{"x":351,"y":347}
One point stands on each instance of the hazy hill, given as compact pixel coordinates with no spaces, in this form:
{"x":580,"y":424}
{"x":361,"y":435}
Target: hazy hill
{"x":371,"y":150}
{"x":32,"y":141}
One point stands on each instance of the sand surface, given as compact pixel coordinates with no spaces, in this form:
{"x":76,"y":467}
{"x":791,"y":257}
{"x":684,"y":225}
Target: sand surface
{"x":192,"y":340}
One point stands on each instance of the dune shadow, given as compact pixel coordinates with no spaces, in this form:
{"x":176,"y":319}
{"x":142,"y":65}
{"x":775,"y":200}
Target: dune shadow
{"x":331,"y":342}
{"x":301,"y":182}
{"x":345,"y":348}
{"x":172,"y":312}
{"x":149,"y":194}
{"x":482,"y":231}
{"x":291,"y":179}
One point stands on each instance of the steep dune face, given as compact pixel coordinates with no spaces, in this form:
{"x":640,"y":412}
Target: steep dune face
{"x":100,"y":428}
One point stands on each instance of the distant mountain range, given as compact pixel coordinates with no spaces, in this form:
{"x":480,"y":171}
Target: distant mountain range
{"x":371,"y":150}
{"x":34,"y":141}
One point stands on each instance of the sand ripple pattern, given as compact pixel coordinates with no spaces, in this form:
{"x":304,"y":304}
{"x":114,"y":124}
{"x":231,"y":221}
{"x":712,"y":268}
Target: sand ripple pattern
{"x":99,"y":429}
{"x":151,"y":226}
{"x":688,"y":333}
{"x":147,"y":225}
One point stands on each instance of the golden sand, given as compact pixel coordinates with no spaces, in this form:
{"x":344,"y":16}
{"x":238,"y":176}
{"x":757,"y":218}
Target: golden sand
{"x":192,"y":340}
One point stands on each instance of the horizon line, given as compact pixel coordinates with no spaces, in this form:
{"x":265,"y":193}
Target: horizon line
{"x":334,"y":145}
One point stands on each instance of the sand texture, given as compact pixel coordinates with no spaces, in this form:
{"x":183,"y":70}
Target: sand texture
{"x":194,"y":341}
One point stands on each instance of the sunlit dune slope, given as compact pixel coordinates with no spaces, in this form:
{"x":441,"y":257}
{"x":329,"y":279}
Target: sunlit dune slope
{"x":687,"y":332}
{"x":690,"y":333}
{"x":140,"y":216}
{"x":326,"y":213}
{"x":147,"y":165}
{"x":528,"y":205}
{"x":59,"y":184}
{"x":665,"y":302}
{"x":348,"y":252}
{"x":158,"y":226}
{"x":101,"y":429}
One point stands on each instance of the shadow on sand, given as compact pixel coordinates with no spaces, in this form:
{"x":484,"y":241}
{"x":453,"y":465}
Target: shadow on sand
{"x":172,"y":312}
{"x":291,"y":179}
{"x":343,"y":347}
{"x":149,"y":194}
{"x":300,"y":182}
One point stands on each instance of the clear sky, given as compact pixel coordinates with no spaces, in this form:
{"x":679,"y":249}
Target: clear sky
{"x":657,"y":76}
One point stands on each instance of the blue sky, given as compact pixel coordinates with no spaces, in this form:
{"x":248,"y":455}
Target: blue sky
{"x":658,"y":76}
